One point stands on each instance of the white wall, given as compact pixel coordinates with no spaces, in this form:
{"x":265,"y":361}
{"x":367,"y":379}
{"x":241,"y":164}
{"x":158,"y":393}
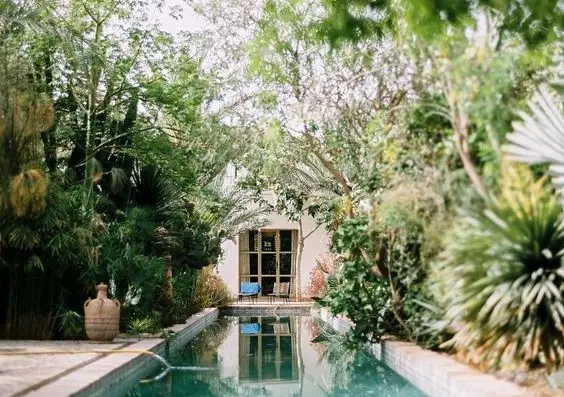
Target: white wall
{"x":228,"y":265}
{"x":316,"y":244}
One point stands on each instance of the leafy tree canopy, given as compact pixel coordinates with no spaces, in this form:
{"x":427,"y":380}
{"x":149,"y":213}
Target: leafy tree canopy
{"x":535,"y":21}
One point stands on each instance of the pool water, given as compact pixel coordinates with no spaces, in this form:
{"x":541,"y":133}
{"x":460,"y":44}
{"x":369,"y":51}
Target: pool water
{"x":275,"y":357}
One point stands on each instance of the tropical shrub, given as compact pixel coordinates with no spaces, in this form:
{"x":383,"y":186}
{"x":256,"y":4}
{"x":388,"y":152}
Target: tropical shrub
{"x":356,"y":291}
{"x":538,"y":137}
{"x":324,"y":266}
{"x":70,"y":324}
{"x":146,"y":325}
{"x":153,"y":247}
{"x":45,"y":262}
{"x":501,"y":277}
{"x":183,"y":286}
{"x":211,"y":291}
{"x":381,"y":283}
{"x":128,"y":263}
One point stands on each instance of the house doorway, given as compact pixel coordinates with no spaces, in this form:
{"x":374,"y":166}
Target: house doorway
{"x":267,"y":256}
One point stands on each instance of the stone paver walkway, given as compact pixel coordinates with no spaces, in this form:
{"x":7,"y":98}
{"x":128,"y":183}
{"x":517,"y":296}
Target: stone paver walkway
{"x":20,"y":374}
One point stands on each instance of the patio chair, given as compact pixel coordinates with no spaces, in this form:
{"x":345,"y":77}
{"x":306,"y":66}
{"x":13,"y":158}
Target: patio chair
{"x":280,"y":290}
{"x":250,"y":290}
{"x":281,"y":328}
{"x":250,"y":328}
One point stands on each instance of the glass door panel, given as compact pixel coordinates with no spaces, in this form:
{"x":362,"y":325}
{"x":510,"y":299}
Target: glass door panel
{"x":267,"y":284}
{"x":286,"y":358}
{"x":269,"y":359}
{"x":268,"y":241}
{"x":268,"y":264}
{"x":285,"y":264}
{"x":285,"y":240}
{"x":253,"y":264}
{"x":253,"y":241}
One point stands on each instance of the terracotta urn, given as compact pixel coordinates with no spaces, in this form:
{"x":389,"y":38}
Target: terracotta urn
{"x":101,"y":316}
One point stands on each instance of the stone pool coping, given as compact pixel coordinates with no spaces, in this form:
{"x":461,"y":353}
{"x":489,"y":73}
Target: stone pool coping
{"x":268,"y":309}
{"x":115,"y":374}
{"x":435,"y":374}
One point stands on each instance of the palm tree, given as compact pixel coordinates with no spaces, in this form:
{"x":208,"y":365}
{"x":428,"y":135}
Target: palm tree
{"x":236,"y":213}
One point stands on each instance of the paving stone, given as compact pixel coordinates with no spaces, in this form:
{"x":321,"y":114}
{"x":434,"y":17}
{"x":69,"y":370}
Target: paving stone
{"x":19,"y":373}
{"x":92,"y":374}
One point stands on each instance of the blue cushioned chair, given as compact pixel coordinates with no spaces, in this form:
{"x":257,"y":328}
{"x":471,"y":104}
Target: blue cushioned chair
{"x":250,"y":328}
{"x":250,"y":290}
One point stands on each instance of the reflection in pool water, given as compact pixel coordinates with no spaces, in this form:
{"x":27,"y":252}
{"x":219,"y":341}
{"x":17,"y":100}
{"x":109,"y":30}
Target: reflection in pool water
{"x":273,"y":356}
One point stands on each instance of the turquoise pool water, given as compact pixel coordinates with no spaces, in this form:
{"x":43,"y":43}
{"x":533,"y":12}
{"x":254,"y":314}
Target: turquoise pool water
{"x":274,"y":357}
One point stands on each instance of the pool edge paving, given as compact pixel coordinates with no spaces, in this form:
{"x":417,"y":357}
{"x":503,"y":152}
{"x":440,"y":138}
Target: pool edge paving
{"x":266,"y":309}
{"x":117,"y":373}
{"x":435,"y":374}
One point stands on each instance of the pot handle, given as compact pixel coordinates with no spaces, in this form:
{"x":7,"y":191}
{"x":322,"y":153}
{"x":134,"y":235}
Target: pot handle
{"x":87,"y":302}
{"x":116,"y":302}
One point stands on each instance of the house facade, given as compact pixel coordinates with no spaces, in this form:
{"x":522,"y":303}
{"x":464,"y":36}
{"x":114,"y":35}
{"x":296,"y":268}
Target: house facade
{"x":270,"y":254}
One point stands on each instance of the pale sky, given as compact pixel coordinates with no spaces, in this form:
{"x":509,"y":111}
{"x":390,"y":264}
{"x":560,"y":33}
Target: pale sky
{"x":190,"y":21}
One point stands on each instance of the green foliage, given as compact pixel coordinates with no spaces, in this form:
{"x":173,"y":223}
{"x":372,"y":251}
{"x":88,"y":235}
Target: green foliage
{"x":183,"y":300}
{"x":501,"y":278}
{"x":127,"y":258}
{"x":143,"y":326}
{"x":119,"y":106}
{"x":232,"y":210}
{"x":44,"y":261}
{"x":199,"y":246}
{"x":347,"y":20}
{"x":70,"y":324}
{"x":534,"y":21}
{"x":381,"y":284}
{"x":356,"y":292}
{"x":211,"y":290}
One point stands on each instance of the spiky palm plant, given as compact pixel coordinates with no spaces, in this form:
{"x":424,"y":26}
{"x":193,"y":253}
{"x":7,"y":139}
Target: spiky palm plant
{"x":233,"y":211}
{"x":539,"y":136}
{"x":154,"y":189}
{"x":502,"y":277}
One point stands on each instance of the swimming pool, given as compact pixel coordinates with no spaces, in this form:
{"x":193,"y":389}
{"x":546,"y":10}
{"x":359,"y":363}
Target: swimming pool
{"x":275,"y":357}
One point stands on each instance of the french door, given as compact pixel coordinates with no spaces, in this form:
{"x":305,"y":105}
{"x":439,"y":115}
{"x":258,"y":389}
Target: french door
{"x":268,"y":256}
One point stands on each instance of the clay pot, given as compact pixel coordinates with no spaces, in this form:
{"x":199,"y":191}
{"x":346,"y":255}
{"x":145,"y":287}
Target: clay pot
{"x":101,"y":316}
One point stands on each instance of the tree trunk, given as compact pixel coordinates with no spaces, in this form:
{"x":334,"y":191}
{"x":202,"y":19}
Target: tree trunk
{"x":48,"y":136}
{"x":459,"y":121}
{"x":301,"y":244}
{"x":167,"y":288}
{"x":93,"y":81}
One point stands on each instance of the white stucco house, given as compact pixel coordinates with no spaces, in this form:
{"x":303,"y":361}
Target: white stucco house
{"x":270,"y":254}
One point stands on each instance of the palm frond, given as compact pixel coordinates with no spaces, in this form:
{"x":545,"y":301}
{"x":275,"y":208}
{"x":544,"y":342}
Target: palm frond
{"x":119,"y":180}
{"x":240,"y":213}
{"x":500,"y":277}
{"x":154,"y":189}
{"x":558,"y":71}
{"x":539,"y":137}
{"x":311,"y":176}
